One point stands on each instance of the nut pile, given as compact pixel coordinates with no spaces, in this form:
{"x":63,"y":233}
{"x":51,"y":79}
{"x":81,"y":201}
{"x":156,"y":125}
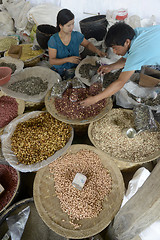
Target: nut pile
{"x":85,"y":203}
{"x":39,"y":138}
{"x":30,"y":86}
{"x":69,"y":104}
{"x":8,"y":110}
{"x":107,"y":135}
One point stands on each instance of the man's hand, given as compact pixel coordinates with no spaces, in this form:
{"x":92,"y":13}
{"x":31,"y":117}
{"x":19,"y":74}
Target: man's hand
{"x":105,"y":69}
{"x":88,"y":101}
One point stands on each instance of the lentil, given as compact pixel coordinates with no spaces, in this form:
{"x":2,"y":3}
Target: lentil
{"x":30,"y":86}
{"x":6,"y":42}
{"x":69,"y":104}
{"x":107,"y":135}
{"x":9,"y":181}
{"x":28,"y":53}
{"x":8,"y":110}
{"x":85,"y":203}
{"x":39,"y":138}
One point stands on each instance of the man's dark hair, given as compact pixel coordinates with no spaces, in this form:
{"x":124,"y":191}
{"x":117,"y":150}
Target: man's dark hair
{"x":63,"y":17}
{"x":118,"y":34}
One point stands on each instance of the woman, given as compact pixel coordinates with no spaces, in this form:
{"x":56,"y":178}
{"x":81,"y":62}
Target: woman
{"x":63,"y":46}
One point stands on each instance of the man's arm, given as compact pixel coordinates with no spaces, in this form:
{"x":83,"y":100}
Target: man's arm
{"x":110,"y":90}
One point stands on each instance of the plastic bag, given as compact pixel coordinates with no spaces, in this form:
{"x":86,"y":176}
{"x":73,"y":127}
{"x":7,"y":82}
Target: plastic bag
{"x":16,"y":224}
{"x":143,"y":118}
{"x":59,"y":88}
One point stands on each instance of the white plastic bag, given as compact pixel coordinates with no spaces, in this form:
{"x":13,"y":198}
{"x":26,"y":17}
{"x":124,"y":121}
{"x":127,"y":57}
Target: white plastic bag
{"x":140,"y":176}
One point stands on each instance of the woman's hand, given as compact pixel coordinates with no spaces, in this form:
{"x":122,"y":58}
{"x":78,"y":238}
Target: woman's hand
{"x":101,"y":54}
{"x":74,"y":59}
{"x":88,"y":101}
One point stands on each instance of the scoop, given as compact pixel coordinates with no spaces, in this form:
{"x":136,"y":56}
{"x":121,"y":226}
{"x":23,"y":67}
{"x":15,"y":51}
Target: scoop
{"x":130,"y":132}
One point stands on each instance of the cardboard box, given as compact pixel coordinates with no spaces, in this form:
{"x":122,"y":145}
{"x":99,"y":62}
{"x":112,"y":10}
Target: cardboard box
{"x":149,"y":77}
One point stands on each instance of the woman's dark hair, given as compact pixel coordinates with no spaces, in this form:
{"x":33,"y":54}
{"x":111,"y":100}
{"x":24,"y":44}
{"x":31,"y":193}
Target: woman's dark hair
{"x":118,"y":34}
{"x":63,"y":17}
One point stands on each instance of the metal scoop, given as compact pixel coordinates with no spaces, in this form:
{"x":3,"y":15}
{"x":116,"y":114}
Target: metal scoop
{"x":130,"y":132}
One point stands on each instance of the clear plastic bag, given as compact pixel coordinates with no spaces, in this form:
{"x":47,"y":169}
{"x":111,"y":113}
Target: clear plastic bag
{"x":59,"y":88}
{"x":16,"y":224}
{"x":143,"y":118}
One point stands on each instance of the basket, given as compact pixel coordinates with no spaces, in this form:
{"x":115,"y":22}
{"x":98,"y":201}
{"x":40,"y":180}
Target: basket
{"x":17,"y":62}
{"x":80,"y":126}
{"x":11,"y":158}
{"x":48,"y":205}
{"x":16,"y":189}
{"x":34,"y":226}
{"x":43,"y":34}
{"x":32,"y":62}
{"x":94,"y":27}
{"x":123,"y":163}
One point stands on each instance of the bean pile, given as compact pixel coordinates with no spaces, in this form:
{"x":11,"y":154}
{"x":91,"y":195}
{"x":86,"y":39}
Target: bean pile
{"x":10,"y":65}
{"x":85,"y":203}
{"x":88,"y":70}
{"x":30,"y":86}
{"x":69,"y":104}
{"x":39,"y":138}
{"x":107,"y":135}
{"x":8,"y":110}
{"x":110,"y":77}
{"x":9,"y":181}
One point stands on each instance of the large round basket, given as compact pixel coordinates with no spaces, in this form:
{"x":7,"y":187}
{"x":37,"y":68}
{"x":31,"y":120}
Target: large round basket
{"x":13,"y":176}
{"x":21,"y":107}
{"x":96,"y":134}
{"x":34,"y":229}
{"x":79,"y":125}
{"x":12,"y":159}
{"x":29,"y":56}
{"x":48,"y":204}
{"x":92,"y":61}
{"x":9,"y":60}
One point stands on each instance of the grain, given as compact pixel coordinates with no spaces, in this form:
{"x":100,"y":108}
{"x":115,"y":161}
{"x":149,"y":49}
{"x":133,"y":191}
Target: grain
{"x":85,"y":203}
{"x":39,"y":138}
{"x":107,"y":135}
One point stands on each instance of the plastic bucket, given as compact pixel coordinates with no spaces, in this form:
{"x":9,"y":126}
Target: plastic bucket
{"x":94,"y":27}
{"x":5,"y":75}
{"x":43,"y":34}
{"x":35,"y":228}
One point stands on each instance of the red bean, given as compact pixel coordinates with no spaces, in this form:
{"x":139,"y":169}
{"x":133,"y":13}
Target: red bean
{"x":8,"y":110}
{"x":9,"y":181}
{"x":69,"y":104}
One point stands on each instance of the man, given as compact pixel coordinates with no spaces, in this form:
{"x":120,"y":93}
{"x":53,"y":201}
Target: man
{"x":137,"y":47}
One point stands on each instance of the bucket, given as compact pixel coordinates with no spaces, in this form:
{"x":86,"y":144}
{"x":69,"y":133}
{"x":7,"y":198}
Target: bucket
{"x":43,"y":34}
{"x":10,"y":181}
{"x":94,"y":27}
{"x":35,"y":228}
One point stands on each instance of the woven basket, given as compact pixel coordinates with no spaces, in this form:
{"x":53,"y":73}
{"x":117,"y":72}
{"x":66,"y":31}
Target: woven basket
{"x":16,"y":190}
{"x":32,"y":62}
{"x":35,"y":227}
{"x":80,"y":126}
{"x":48,"y":205}
{"x":123,"y":164}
